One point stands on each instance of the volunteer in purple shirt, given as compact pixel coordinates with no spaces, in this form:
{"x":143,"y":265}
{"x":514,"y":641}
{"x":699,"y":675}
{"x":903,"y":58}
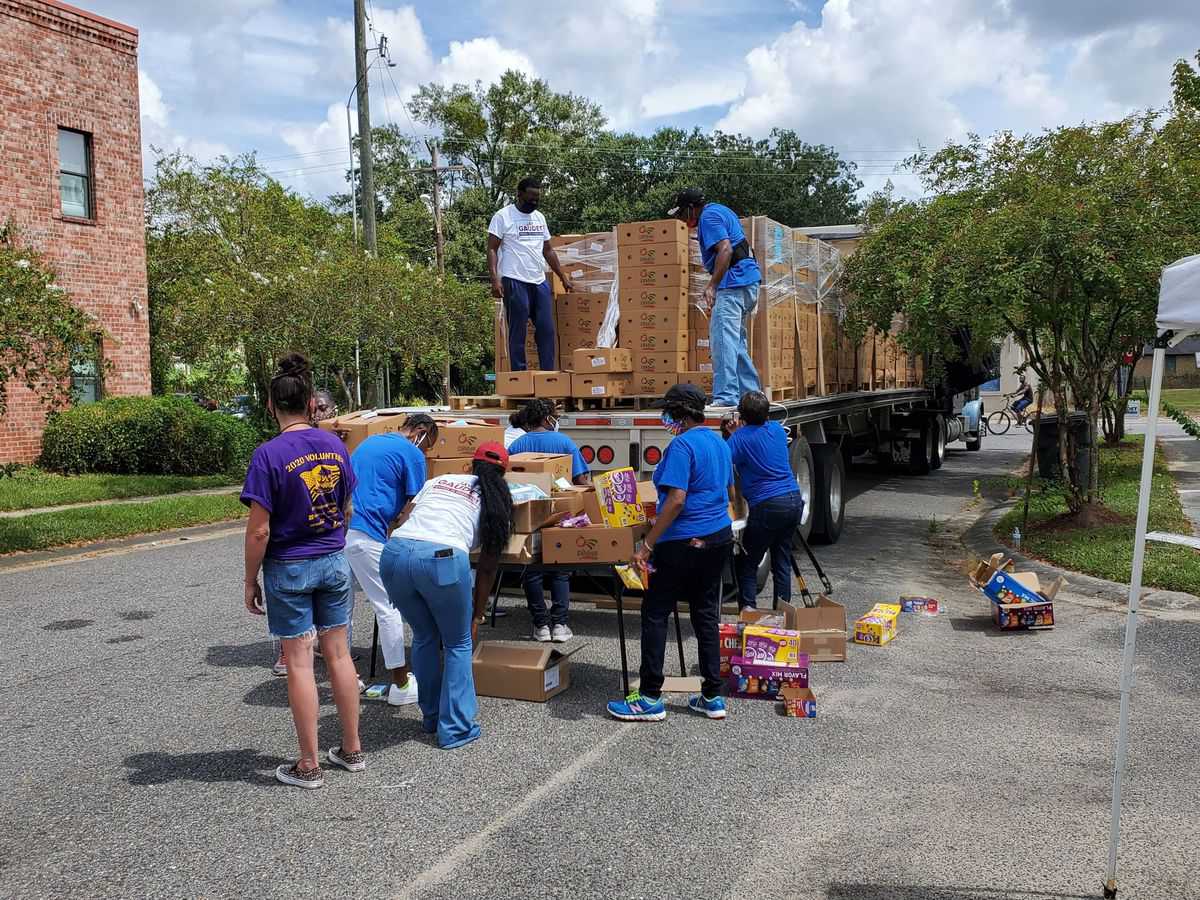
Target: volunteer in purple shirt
{"x":298,"y":487}
{"x":759,"y":450}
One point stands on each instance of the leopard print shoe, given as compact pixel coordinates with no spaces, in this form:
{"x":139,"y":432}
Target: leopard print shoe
{"x":351,"y":762}
{"x":301,"y":778}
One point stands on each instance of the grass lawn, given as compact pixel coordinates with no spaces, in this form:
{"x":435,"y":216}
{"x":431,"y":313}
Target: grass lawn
{"x":1106,"y":550}
{"x":1187,"y":399}
{"x":31,"y":488}
{"x":85,"y":524}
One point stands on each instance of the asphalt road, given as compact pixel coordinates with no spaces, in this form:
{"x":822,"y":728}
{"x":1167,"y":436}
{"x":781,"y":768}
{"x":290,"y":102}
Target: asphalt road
{"x":143,"y":725}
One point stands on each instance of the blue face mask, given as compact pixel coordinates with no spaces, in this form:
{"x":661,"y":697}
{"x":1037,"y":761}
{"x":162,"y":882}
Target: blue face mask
{"x":671,"y":424}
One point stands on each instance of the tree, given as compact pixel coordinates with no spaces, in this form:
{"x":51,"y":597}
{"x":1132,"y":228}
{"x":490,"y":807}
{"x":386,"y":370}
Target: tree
{"x":42,"y":334}
{"x":1057,"y":239}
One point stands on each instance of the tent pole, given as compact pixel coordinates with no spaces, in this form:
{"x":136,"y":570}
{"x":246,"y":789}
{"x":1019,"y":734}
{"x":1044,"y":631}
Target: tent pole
{"x":1135,"y":591}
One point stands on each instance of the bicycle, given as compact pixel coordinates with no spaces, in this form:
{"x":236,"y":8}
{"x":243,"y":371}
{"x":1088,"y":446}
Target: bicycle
{"x":1002,"y":419}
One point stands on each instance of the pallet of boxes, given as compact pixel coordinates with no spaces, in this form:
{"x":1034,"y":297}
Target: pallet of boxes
{"x":1018,"y":600}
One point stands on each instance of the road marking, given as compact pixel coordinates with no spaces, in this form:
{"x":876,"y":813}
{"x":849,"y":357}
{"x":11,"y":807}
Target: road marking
{"x":122,"y":551}
{"x":468,"y":848}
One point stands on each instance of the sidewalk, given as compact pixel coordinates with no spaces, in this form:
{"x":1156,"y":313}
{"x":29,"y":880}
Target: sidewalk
{"x":19,"y":513}
{"x":1182,"y":452}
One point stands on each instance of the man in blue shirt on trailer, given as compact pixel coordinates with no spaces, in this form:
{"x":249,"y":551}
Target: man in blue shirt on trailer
{"x":731,"y":295}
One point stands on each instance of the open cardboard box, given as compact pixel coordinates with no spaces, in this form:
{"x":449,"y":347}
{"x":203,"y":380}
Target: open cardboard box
{"x":822,"y":628}
{"x":354,"y":428}
{"x":556,"y":464}
{"x":455,"y":440}
{"x":1000,"y":584}
{"x":522,"y":671}
{"x":532,"y":515}
{"x":521,"y":548}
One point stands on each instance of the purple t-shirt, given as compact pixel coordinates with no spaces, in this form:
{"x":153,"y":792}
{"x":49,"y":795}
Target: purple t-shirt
{"x":304,"y":480}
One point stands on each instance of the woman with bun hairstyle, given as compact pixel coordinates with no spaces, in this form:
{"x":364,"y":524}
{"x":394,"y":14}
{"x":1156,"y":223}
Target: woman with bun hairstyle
{"x":426,"y":567}
{"x":298,"y":487}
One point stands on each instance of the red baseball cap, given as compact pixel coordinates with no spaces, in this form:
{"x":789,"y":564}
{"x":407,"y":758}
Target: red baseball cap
{"x":494,"y":453}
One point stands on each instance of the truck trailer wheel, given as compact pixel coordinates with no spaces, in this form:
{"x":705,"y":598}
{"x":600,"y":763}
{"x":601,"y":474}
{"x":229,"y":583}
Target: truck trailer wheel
{"x":939,"y":442}
{"x":829,"y":494}
{"x":805,"y":472}
{"x":921,"y":450}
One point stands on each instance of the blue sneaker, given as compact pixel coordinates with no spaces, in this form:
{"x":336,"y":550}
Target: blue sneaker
{"x":636,"y":708}
{"x":714,"y":708}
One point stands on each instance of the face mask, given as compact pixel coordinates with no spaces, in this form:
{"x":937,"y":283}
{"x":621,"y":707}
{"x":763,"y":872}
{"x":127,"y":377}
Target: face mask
{"x":554,"y":426}
{"x":693,"y":218}
{"x":672,"y":426}
{"x":419,"y":440}
{"x":527,"y":206}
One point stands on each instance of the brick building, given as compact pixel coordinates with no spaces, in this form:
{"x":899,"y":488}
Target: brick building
{"x":71,"y":182}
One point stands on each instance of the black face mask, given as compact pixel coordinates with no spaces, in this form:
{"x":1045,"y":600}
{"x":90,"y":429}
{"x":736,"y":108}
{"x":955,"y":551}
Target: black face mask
{"x":527,"y":206}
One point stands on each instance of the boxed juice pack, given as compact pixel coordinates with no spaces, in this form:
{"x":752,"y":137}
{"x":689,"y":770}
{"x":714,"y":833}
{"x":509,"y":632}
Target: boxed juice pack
{"x":617,"y":495}
{"x":878,"y":626}
{"x":755,"y":680}
{"x":771,"y":645}
{"x":927,"y":605}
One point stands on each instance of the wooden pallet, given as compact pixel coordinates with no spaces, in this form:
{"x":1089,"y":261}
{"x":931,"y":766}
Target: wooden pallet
{"x":778,"y":395}
{"x":580,"y":404}
{"x":487,"y":401}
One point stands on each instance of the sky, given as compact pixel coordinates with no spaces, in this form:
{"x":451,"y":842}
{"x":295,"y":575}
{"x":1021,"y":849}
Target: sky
{"x":875,"y":79}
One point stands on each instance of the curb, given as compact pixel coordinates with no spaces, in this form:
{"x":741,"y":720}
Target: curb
{"x":33,"y":559}
{"x":980,"y":540}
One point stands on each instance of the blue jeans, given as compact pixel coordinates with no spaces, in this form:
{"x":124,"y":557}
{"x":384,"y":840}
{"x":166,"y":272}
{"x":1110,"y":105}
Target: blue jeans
{"x":304,"y":596}
{"x":1022,"y":405}
{"x":524,"y":302}
{"x":733,"y":370}
{"x":535,"y":597}
{"x":771,"y":526}
{"x":434,"y":596}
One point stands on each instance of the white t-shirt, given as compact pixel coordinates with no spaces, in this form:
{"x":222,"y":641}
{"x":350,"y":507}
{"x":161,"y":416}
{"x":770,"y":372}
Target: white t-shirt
{"x":511,"y":434}
{"x":445,"y":511}
{"x":522,"y":236}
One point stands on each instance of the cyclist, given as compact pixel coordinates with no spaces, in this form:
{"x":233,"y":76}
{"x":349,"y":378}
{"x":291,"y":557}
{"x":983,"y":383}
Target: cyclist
{"x":1024,"y":395}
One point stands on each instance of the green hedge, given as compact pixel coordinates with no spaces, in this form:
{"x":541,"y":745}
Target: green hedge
{"x":1190,"y":425}
{"x":146,"y":436}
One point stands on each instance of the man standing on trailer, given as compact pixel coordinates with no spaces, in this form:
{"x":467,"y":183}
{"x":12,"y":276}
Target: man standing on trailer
{"x":731,"y":295}
{"x":518,"y":252}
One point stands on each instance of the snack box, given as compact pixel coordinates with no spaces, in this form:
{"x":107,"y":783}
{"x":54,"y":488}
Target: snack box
{"x":878,"y":626}
{"x":927,"y":605}
{"x":617,"y":495}
{"x":800,"y":703}
{"x":754,"y":680}
{"x":772,"y":645}
{"x":1017,"y":616}
{"x":1000,"y":584}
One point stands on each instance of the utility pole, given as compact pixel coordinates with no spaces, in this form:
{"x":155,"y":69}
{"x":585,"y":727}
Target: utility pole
{"x":440,"y":250}
{"x":365,"y":167}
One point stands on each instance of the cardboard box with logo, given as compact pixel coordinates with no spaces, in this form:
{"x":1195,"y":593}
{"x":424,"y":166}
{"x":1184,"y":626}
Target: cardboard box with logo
{"x":571,"y":305}
{"x":670,"y":319}
{"x":519,"y":671}
{"x":702,"y":380}
{"x":354,"y":428}
{"x":635,"y":298}
{"x":459,"y":437}
{"x":663,"y":254}
{"x":599,"y":360}
{"x":878,"y":626}
{"x":1019,"y":601}
{"x":653,"y":383}
{"x":798,"y":703}
{"x":658,"y":231}
{"x":655,"y":341}
{"x":821,"y":628}
{"x":654,"y":276}
{"x":754,"y":680}
{"x":661,"y":363}
{"x":601,"y":384}
{"x":454,"y":465}
{"x":557,"y":464}
{"x":592,"y":544}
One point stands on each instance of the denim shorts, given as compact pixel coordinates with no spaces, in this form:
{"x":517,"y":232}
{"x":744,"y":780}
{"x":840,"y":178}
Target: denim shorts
{"x":305,"y":596}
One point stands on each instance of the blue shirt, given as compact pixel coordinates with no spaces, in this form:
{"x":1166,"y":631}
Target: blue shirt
{"x":550,"y":442}
{"x":389,"y":472}
{"x":696,"y":461}
{"x":760,"y":455}
{"x":718,"y":223}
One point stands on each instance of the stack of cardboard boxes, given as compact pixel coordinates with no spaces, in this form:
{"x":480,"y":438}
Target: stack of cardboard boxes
{"x":458,"y":438}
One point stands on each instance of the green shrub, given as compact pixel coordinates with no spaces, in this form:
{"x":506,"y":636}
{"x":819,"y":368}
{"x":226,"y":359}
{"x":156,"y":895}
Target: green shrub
{"x":1189,"y":425}
{"x":146,"y":436}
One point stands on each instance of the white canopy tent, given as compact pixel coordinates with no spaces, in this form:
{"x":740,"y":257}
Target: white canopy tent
{"x":1178,"y":318}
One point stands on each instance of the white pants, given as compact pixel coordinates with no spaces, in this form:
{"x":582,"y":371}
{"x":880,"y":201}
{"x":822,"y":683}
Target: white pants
{"x":363,"y":554}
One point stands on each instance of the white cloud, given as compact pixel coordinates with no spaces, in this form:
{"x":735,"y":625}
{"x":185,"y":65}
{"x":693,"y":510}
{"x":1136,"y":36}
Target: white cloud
{"x":158,"y":132}
{"x":672,"y":98}
{"x":481,"y":59}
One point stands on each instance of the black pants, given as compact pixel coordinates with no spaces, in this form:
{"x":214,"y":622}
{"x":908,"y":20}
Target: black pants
{"x":771,"y":526}
{"x":692,"y":573}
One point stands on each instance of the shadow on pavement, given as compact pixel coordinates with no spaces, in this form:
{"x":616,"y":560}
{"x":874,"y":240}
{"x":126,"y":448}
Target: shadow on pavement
{"x":241,"y":656}
{"x":217,"y":765}
{"x":840,"y":891}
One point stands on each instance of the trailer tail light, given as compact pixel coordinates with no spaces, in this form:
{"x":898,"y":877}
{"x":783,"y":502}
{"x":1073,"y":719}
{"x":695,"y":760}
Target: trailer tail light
{"x":588,"y":454}
{"x":652,"y":456}
{"x":605,"y":455}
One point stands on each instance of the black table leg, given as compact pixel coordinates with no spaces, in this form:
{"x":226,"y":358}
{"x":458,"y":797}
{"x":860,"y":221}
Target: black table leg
{"x":374,"y":648}
{"x":619,"y":596}
{"x":496,"y":593}
{"x":679,"y":640}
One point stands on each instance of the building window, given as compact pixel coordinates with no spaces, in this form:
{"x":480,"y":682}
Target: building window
{"x":85,"y":375}
{"x":1171,"y":362}
{"x":75,"y":173}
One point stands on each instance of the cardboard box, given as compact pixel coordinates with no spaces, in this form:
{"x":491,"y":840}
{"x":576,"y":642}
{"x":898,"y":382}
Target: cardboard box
{"x":634,"y":298}
{"x":456,"y":441}
{"x":581,"y":328}
{"x":551,"y":385}
{"x":647,"y":495}
{"x":878,"y":626}
{"x":799,"y":703}
{"x":602,"y":359}
{"x":583,"y":500}
{"x":570,"y":305}
{"x":653,"y":383}
{"x":822,"y":628}
{"x":1000,"y":584}
{"x":664,"y":363}
{"x":1021,"y":616}
{"x":658,"y":231}
{"x":544,"y":480}
{"x":753,"y":680}
{"x":617,"y":495}
{"x":667,"y":319}
{"x":654,"y":276}
{"x":593,"y":544}
{"x":519,"y":671}
{"x":520,"y":384}
{"x":557,"y":464}
{"x":780,"y":646}
{"x":603,"y":384}
{"x":455,"y":465}
{"x":927,"y":605}
{"x":522,"y":548}
{"x":531,"y":515}
{"x":662,"y":254}
{"x":702,"y":380}
{"x":354,"y":428}
{"x":655,"y":341}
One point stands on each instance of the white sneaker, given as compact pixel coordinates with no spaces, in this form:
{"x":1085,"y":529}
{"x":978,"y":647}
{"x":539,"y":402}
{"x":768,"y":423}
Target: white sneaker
{"x":561,"y":634}
{"x":542,"y":635}
{"x":403,"y":696}
{"x":361,"y":687}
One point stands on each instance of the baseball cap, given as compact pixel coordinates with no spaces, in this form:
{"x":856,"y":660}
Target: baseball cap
{"x":686,"y":395}
{"x":692,"y":196}
{"x":494,"y":453}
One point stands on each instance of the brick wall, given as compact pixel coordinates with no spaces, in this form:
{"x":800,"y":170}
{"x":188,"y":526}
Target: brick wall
{"x":75,"y":70}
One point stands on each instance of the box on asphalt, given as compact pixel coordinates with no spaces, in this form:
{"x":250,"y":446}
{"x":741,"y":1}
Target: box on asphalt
{"x":822,"y":628}
{"x":754,"y":680}
{"x":878,"y":626}
{"x":518,"y":671}
{"x":799,"y":703}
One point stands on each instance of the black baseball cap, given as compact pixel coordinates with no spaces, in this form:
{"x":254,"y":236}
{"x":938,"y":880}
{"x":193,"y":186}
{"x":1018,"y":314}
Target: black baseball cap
{"x":692,"y":196}
{"x":687,"y":395}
